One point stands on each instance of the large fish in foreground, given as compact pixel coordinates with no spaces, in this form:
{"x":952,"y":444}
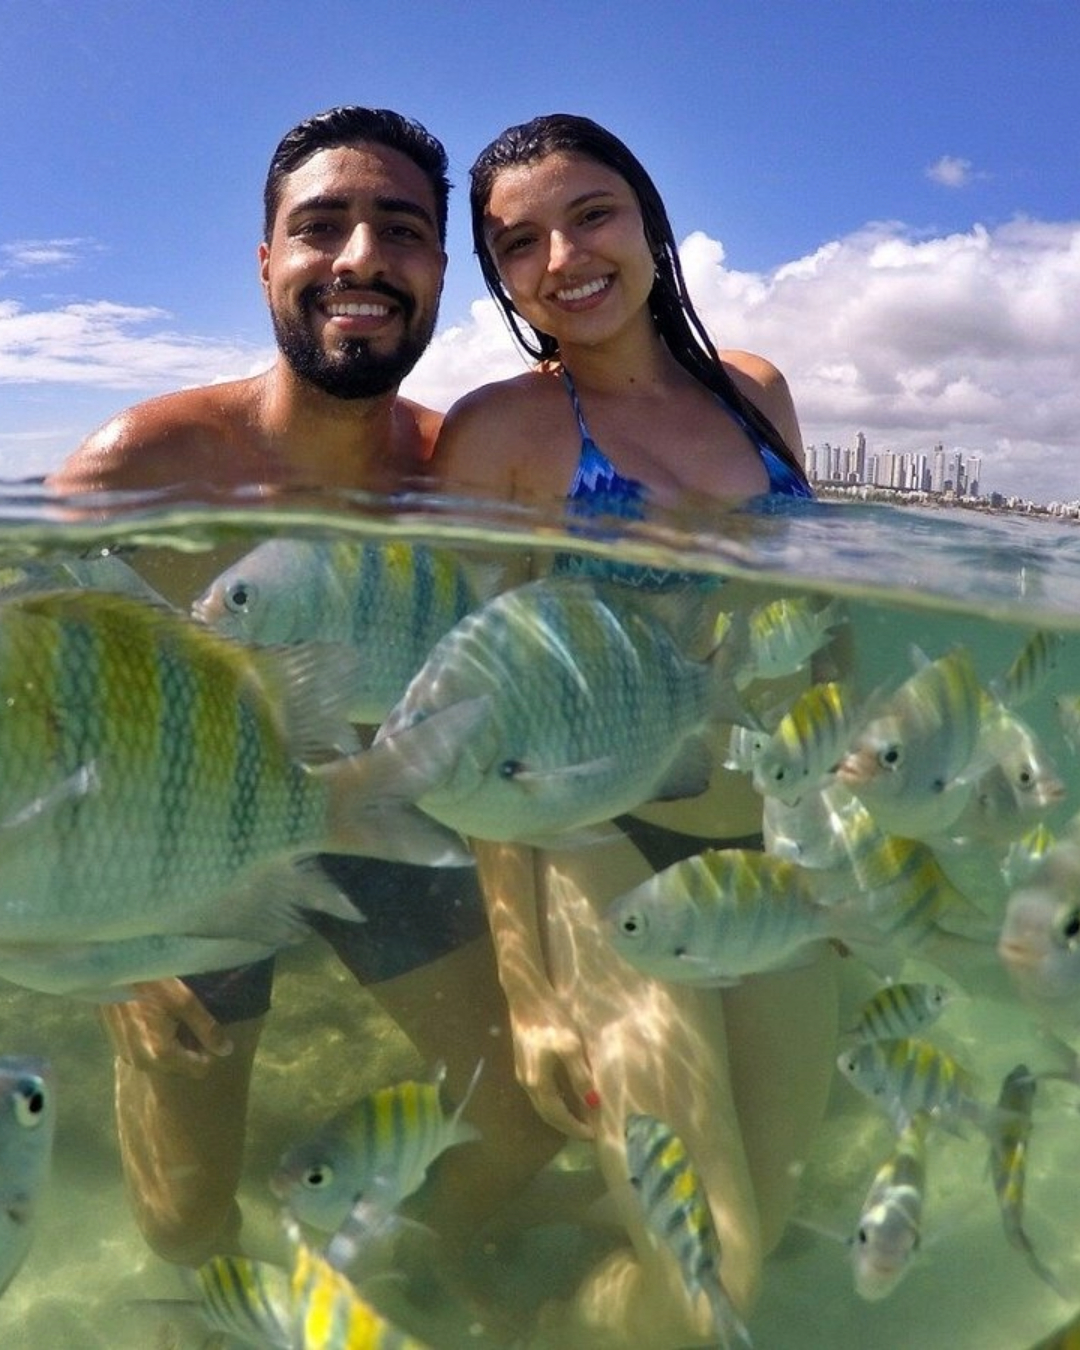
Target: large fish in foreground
{"x":158,"y":780}
{"x":392,"y":601}
{"x":27,"y":1126}
{"x":586,"y":703}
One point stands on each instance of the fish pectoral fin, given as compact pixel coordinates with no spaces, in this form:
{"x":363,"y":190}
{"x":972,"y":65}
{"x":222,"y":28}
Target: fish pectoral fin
{"x":76,"y":786}
{"x":585,"y":769}
{"x":396,"y":831}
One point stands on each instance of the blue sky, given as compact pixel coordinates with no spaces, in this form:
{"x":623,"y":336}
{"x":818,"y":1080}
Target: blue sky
{"x":881,"y":197}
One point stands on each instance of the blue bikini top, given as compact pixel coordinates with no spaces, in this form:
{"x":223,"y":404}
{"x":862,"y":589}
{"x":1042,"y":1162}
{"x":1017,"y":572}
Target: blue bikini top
{"x":598,"y":489}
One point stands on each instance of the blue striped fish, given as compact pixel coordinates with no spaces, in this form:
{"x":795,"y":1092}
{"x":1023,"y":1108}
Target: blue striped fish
{"x":392,"y":601}
{"x":675,"y":1208}
{"x":156,"y":780}
{"x":27,"y":1128}
{"x":379,"y":1148}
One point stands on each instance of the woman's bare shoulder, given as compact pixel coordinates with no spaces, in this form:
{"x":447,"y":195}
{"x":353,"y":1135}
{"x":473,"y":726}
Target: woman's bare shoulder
{"x":767,"y":388}
{"x":490,"y":431}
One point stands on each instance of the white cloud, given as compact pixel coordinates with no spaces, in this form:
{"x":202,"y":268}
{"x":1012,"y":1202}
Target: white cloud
{"x":108,"y":346}
{"x":951,"y":171}
{"x":44,"y":255}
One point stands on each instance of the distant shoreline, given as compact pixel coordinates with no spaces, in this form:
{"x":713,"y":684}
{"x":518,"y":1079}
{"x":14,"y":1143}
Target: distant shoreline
{"x":995,"y":504}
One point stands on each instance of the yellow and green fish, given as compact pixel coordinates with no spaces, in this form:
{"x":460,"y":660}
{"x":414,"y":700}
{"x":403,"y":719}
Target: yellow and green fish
{"x":379,"y":1147}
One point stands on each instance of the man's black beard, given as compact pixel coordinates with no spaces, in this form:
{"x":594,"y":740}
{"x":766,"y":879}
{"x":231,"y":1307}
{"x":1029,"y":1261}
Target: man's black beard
{"x":353,"y":370}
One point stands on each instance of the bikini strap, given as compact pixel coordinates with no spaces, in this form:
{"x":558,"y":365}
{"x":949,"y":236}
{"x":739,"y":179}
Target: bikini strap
{"x":568,"y":381}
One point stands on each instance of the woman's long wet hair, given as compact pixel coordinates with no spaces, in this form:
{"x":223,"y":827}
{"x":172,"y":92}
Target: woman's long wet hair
{"x":673,"y":312}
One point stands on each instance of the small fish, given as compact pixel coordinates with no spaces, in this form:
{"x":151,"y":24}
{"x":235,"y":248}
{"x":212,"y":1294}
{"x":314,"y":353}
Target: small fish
{"x":313,"y":1306}
{"x":156,"y":778}
{"x":1039,"y":942}
{"x":380,"y":1148}
{"x":889,"y":1231}
{"x":328,"y":1312}
{"x":807,"y":744}
{"x":677,"y":1213}
{"x":785,"y":634}
{"x":816,"y":830}
{"x":99,"y":570}
{"x":1031,"y":671}
{"x":899,"y":1010}
{"x":909,"y":763}
{"x":1019,"y":783}
{"x":909,"y":1075}
{"x":390,"y":600}
{"x":1009,"y":1141}
{"x":588,"y":704}
{"x":745,"y":744}
{"x":248,"y":1300}
{"x":722,"y":914}
{"x":27,"y":1127}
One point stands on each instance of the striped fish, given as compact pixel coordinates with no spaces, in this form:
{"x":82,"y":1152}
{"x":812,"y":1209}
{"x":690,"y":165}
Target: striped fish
{"x":909,"y":1075}
{"x":329,"y":1314}
{"x":27,"y":1128}
{"x":156,"y":781}
{"x":1008,"y":1164}
{"x":899,"y":1010}
{"x":1030,"y":672}
{"x":380,"y":1148}
{"x":785,"y":634}
{"x":589,"y":706}
{"x":908,"y":763}
{"x":675,"y":1208}
{"x":312,"y":1307}
{"x":390,"y":600}
{"x":723,"y":914}
{"x":889,"y":1231}
{"x":248,"y":1300}
{"x":807,"y":744}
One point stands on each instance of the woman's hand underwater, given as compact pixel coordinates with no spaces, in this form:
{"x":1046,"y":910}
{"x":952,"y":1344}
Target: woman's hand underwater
{"x":552,"y":1065}
{"x":165,"y":1029}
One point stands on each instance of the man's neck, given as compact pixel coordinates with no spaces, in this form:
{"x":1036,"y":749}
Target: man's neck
{"x":312,"y":437}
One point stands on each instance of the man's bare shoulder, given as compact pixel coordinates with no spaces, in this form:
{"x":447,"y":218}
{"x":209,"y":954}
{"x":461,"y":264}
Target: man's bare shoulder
{"x":193,"y":434}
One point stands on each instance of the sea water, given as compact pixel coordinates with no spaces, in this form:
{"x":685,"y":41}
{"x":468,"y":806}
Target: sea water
{"x":910,"y":578}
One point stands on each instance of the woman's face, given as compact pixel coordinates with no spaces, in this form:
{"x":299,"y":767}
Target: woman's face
{"x":567,"y":238}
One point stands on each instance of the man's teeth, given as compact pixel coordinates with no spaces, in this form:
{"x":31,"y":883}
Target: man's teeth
{"x":582,"y":292}
{"x":355,"y":310}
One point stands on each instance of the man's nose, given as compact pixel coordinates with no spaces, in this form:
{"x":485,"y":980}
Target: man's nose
{"x":360,"y":251}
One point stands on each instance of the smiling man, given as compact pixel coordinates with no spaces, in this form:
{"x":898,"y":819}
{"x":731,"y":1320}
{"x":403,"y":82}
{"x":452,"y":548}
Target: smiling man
{"x":351,"y":264}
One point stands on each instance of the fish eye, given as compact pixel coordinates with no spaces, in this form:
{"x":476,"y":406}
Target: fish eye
{"x":891,"y":756}
{"x":862,"y":1237}
{"x":1070,"y":929}
{"x":1025,"y":778}
{"x":239,"y":597}
{"x":778,"y":774}
{"x":510,"y":768}
{"x":29,"y":1102}
{"x":632,"y":925}
{"x":318,"y":1176}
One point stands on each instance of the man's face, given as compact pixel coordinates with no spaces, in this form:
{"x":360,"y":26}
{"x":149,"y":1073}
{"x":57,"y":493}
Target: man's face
{"x":353,"y":269}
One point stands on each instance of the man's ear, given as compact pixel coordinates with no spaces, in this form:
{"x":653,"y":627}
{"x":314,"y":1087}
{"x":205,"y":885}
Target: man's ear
{"x":264,"y":267}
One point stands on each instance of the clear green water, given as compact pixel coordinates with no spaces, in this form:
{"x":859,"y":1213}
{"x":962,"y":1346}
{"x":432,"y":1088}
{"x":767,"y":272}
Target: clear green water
{"x":935,"y":579}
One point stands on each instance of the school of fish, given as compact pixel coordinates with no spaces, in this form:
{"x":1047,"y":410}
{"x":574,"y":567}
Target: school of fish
{"x":165,"y":776}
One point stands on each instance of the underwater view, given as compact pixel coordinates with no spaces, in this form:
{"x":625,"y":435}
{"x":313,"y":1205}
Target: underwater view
{"x":774,"y":820}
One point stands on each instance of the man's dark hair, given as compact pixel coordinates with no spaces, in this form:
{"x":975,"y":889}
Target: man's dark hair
{"x":347,"y":126}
